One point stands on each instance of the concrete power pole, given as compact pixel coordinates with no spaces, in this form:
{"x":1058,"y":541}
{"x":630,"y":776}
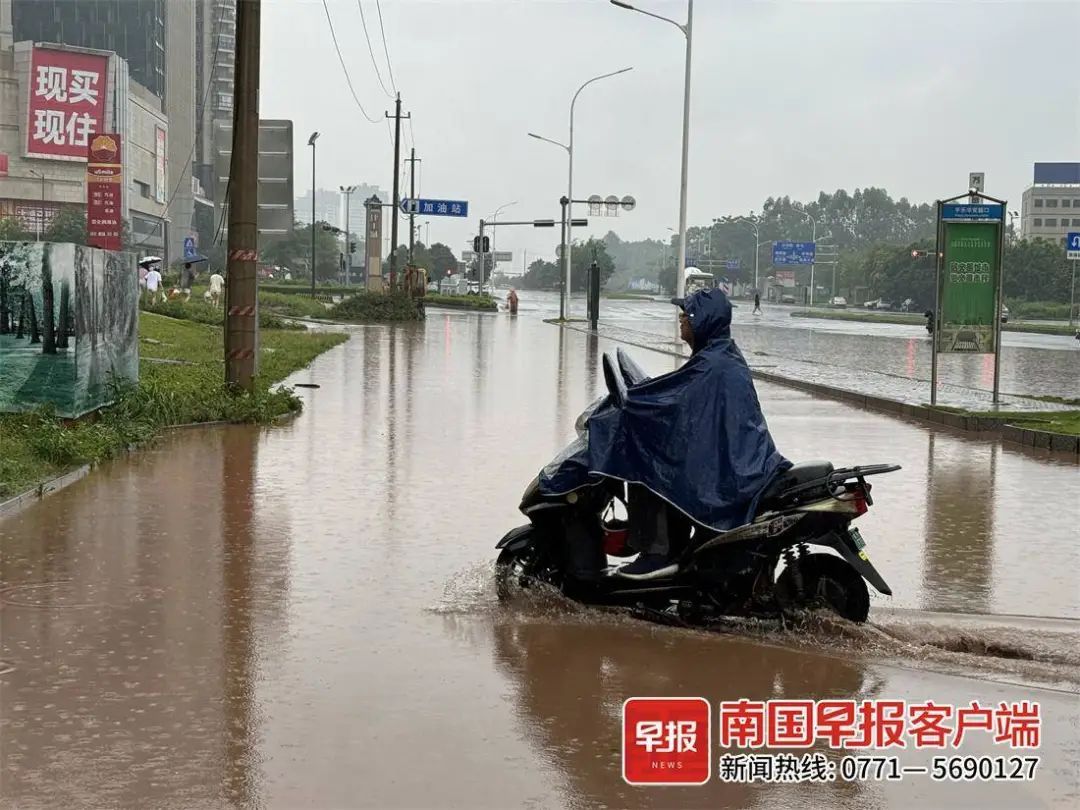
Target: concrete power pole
{"x":241,"y":295}
{"x":397,"y":194}
{"x":412,"y":160}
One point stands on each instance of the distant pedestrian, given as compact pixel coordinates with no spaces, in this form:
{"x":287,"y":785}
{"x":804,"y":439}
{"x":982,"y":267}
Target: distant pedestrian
{"x":757,"y":303}
{"x":187,"y":279}
{"x":154,"y":284}
{"x":217,"y":287}
{"x":512,"y":301}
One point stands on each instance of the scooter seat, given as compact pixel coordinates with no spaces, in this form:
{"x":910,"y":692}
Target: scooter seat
{"x":802,"y":473}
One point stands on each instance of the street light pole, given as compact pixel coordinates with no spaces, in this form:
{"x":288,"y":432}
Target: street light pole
{"x":564,"y":305}
{"x":495,"y":218}
{"x":311,"y":142}
{"x":813,"y":264}
{"x":680,"y":271}
{"x":347,"y":191}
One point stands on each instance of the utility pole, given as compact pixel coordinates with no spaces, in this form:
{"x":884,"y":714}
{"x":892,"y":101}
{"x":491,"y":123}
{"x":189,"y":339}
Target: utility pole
{"x":412,"y":161}
{"x":397,"y":194}
{"x":241,"y":295}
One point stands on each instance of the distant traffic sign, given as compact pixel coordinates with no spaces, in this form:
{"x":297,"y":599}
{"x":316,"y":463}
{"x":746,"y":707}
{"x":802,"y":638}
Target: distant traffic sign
{"x":1072,"y":246}
{"x":503,"y":256}
{"x":731,"y":264}
{"x":786,"y":253}
{"x":435,"y":208}
{"x":962,"y":212}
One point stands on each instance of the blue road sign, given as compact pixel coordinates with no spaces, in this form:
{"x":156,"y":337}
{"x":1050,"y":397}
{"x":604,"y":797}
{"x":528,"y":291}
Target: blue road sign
{"x":1072,"y":245}
{"x":785,"y":253}
{"x":731,"y":264}
{"x":189,"y":247}
{"x":435,"y":208}
{"x":963,"y":212}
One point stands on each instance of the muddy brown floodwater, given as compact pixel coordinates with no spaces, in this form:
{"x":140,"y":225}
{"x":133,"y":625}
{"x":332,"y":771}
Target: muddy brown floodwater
{"x":304,"y":616}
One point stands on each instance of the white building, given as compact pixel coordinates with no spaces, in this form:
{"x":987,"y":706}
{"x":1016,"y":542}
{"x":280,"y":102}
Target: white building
{"x":1050,"y":207}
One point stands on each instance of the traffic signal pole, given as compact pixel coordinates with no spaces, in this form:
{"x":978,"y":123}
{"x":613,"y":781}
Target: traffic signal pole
{"x":241,"y":293}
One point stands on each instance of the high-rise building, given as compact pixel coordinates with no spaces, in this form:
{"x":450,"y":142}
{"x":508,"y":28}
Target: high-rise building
{"x":1050,"y":207}
{"x":275,"y":217}
{"x":357,"y":212}
{"x":134,"y":29}
{"x":215,"y":58}
{"x":328,"y":206}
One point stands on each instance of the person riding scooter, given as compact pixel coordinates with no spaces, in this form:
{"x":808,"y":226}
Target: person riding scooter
{"x":693,"y":444}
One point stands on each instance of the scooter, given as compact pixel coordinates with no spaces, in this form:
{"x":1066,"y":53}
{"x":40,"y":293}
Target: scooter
{"x":798,"y":552}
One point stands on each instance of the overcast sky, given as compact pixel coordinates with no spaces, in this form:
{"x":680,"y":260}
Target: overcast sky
{"x":786,"y":98}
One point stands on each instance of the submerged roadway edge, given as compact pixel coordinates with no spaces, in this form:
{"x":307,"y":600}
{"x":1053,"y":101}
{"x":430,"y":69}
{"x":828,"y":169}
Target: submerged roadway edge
{"x":1057,"y":443}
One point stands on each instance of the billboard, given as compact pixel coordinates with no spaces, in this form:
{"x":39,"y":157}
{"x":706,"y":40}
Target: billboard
{"x":159,"y":164}
{"x":1065,"y":173}
{"x":104,"y":187}
{"x":968,"y":286}
{"x":788,"y":253}
{"x":3,"y":164}
{"x":66,"y":104}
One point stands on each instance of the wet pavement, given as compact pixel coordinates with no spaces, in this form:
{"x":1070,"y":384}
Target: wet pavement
{"x":304,"y":615}
{"x":879,"y":359}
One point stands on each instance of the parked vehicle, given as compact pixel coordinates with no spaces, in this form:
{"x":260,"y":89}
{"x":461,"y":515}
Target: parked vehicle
{"x":883,"y":306}
{"x":737,"y":572}
{"x":872,"y":304}
{"x":1004,"y":314}
{"x":838,"y":301}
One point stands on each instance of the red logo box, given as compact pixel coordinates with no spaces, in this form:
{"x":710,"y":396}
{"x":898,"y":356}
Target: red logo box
{"x":666,"y":741}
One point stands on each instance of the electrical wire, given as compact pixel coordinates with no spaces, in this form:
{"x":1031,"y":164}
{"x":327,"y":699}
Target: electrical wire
{"x":386,"y":50}
{"x":348,"y":79}
{"x":371,"y":51}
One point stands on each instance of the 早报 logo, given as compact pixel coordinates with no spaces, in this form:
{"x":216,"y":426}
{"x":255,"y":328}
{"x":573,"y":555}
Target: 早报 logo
{"x":667,"y":741}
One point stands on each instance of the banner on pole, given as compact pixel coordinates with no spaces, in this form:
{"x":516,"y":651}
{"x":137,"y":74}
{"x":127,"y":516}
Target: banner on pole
{"x":104,"y":187}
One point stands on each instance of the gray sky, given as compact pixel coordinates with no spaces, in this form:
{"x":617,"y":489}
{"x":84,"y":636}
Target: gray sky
{"x":787,"y":98}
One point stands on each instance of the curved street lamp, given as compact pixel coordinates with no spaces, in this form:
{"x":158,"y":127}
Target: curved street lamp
{"x":564,"y":308}
{"x":311,"y":142}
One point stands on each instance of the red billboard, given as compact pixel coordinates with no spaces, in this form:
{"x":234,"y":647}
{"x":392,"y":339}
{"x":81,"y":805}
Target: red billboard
{"x":67,"y":93}
{"x":104,"y":184}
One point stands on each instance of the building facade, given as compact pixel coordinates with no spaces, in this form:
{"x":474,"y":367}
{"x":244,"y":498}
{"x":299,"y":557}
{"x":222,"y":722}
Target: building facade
{"x":1050,"y":207}
{"x":329,"y":206}
{"x":275,"y":218}
{"x":43,"y":137}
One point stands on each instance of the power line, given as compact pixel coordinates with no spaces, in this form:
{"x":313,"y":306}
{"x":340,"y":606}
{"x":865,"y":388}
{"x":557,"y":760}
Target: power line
{"x":371,"y":52}
{"x":348,"y":79}
{"x":386,"y":50}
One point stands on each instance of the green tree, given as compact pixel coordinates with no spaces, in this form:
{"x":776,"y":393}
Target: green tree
{"x":69,"y":225}
{"x":294,"y":252}
{"x":581,"y":258}
{"x":11,"y":230}
{"x":443,"y":261}
{"x":541,"y":275}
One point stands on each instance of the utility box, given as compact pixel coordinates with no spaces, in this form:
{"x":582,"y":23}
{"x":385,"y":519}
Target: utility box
{"x":69,"y":326}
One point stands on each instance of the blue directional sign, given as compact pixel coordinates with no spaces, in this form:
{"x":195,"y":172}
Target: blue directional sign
{"x":189,"y":247}
{"x":1072,"y":246}
{"x":787,"y":253}
{"x":435,"y":208}
{"x":731,"y":264}
{"x":963,"y":212}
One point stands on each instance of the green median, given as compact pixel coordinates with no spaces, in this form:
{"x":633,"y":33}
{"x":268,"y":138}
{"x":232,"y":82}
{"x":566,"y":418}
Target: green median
{"x":181,"y":381}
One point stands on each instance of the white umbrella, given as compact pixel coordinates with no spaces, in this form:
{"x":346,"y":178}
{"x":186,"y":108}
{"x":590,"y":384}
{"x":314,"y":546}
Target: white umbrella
{"x":147,"y":260}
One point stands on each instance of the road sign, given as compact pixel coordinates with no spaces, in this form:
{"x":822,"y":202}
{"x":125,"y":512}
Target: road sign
{"x":786,"y":253}
{"x":189,"y":247}
{"x":963,"y":212}
{"x":977,"y":181}
{"x":467,"y":255}
{"x":731,"y":264}
{"x":503,"y":256}
{"x":1072,"y":246}
{"x":435,"y":208}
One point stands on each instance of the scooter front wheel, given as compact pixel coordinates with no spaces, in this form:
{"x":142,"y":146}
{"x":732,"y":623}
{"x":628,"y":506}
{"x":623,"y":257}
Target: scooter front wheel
{"x":520,"y":569}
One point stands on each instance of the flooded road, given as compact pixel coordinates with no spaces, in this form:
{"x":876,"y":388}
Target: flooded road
{"x":304,"y":615}
{"x":1031,"y":364}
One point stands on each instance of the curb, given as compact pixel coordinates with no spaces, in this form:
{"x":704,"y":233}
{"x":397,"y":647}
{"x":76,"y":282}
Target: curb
{"x":987,"y":426}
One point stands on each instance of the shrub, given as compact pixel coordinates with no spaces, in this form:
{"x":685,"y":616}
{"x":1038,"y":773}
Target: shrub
{"x":368,"y":307}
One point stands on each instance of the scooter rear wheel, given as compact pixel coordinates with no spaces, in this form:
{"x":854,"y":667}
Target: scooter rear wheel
{"x":827,"y":582}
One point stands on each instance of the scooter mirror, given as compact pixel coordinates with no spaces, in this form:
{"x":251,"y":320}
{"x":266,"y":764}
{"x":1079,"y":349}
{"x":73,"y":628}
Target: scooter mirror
{"x":613,"y":379}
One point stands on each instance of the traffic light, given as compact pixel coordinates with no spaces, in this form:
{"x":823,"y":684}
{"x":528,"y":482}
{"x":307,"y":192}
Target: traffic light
{"x":477,"y":247}
{"x":352,"y":247}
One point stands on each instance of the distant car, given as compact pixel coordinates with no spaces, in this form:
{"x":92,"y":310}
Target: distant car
{"x":787,"y":299}
{"x":872,"y":304}
{"x":883,"y":305}
{"x":1004,"y":314}
{"x":838,"y":301}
